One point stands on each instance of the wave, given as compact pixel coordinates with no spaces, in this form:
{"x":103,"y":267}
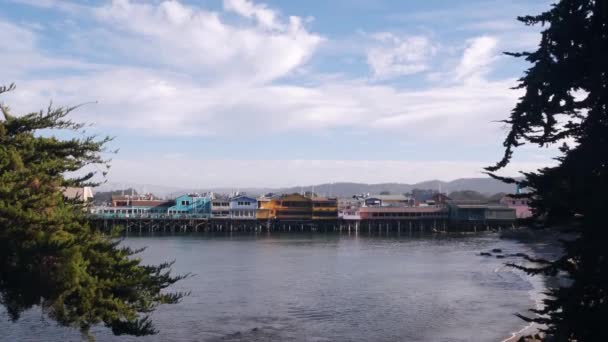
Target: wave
{"x":537,"y":296}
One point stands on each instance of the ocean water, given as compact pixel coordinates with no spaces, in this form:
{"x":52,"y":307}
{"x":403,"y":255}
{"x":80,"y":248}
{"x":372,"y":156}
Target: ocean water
{"x":326,"y":287}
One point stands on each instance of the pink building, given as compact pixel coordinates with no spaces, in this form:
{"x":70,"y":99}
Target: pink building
{"x":521,"y":205}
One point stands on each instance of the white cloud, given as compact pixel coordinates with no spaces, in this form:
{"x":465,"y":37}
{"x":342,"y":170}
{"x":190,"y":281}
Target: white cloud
{"x":155,"y":103}
{"x":260,"y":12}
{"x":394,"y":56}
{"x":478,"y":55}
{"x":200,"y":42}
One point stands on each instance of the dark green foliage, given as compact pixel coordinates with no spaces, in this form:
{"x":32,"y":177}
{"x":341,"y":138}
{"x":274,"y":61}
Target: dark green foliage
{"x":470,"y":195}
{"x":423,"y":194}
{"x":467,"y":195}
{"x":49,"y":256}
{"x":572,"y":58}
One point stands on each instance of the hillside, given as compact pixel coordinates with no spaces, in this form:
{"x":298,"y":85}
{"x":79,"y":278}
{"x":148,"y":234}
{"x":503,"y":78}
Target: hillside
{"x":484,"y":186}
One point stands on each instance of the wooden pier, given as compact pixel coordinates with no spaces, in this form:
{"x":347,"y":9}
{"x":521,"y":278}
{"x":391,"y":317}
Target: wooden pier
{"x":370,"y":227}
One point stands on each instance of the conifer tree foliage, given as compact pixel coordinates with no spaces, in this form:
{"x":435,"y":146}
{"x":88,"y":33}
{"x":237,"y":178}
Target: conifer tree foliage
{"x":566,"y":99}
{"x":49,"y":255}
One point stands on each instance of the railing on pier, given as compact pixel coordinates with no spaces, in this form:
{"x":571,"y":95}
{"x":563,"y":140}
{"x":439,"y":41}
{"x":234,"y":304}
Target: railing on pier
{"x":149,"y":216}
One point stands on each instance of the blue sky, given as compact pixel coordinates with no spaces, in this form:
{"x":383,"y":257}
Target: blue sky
{"x":274,"y":93}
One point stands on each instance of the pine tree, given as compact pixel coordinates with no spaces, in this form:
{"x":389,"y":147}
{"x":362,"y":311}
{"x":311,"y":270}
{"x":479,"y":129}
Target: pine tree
{"x":49,"y":255}
{"x":566,"y":99}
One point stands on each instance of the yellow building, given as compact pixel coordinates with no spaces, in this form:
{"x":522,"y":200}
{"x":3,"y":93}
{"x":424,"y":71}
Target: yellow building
{"x":293,"y":207}
{"x":324,"y":208}
{"x":264,"y":208}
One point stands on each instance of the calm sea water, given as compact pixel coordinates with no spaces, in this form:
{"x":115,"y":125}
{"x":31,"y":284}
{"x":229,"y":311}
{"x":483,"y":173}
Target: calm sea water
{"x":316,"y":287}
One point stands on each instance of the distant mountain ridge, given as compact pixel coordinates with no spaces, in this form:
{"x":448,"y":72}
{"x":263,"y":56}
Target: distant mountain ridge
{"x":485,"y":185}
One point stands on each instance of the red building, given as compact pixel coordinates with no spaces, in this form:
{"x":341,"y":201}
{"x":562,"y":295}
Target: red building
{"x":403,"y":213}
{"x":520,"y":204}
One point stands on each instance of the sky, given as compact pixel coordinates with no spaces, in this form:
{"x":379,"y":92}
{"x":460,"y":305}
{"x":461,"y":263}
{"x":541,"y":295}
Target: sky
{"x":216,"y":93}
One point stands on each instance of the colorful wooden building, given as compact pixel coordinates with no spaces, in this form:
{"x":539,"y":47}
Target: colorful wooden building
{"x":388,"y":201}
{"x":220,"y":208}
{"x":292,"y":207}
{"x":243,"y":208}
{"x":521,"y":205}
{"x":264,"y":210}
{"x":324,"y":208}
{"x":470,"y":214}
{"x":403,"y":213}
{"x":348,"y":208}
{"x":148,"y":206}
{"x":191,"y":205}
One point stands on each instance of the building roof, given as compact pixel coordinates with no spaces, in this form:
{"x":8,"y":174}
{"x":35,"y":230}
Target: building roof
{"x":134,"y":197}
{"x":294,"y":197}
{"x":483,"y":206}
{"x":236,"y":198}
{"x":150,"y":203}
{"x":390,"y":197}
{"x":349,"y":200}
{"x":516,"y":197}
{"x":184,"y":196}
{"x":324,"y":199}
{"x":403,"y":209}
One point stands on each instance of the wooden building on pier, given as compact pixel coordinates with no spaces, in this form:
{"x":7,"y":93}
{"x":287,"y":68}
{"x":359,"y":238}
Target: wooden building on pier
{"x":468,"y":214}
{"x":324,"y":208}
{"x":293,"y":207}
{"x":220,"y":208}
{"x":403,"y":213}
{"x":243,"y":208}
{"x":133,"y":206}
{"x":296,"y":207}
{"x":191,"y":205}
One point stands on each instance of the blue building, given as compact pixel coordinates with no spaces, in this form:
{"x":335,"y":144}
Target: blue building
{"x":191,"y":205}
{"x":243,"y":208}
{"x":470,"y":214}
